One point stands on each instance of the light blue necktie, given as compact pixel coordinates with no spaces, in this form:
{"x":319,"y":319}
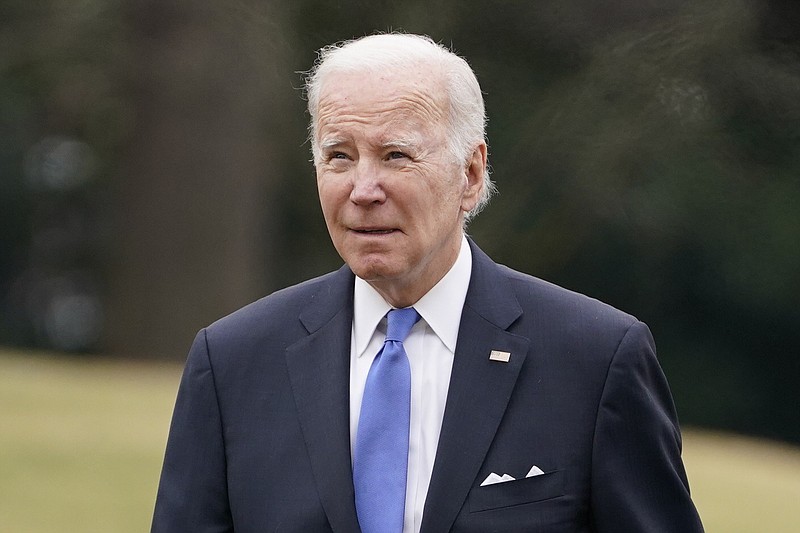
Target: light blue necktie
{"x":380,"y":459}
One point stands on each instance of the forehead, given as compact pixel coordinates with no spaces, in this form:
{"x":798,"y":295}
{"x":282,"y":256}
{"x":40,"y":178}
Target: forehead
{"x":406,"y":96}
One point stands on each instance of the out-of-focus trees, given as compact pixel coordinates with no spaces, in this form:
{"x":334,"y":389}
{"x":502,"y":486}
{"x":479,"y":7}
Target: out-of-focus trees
{"x":61,"y":121}
{"x":145,"y":143}
{"x":646,"y":154}
{"x":195,"y":197}
{"x":661,"y":174}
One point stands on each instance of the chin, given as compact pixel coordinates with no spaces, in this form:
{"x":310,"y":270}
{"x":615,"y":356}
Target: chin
{"x":369,"y":273}
{"x":372,"y":269}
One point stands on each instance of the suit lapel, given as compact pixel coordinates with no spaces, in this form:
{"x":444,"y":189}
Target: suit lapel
{"x":319,"y":367}
{"x":479,"y":391}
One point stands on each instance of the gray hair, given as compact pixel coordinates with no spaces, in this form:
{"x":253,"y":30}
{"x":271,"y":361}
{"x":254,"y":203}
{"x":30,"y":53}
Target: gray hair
{"x":467,"y":115}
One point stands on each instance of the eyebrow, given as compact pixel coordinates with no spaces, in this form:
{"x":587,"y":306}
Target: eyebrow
{"x":332,"y":142}
{"x":400,"y":143}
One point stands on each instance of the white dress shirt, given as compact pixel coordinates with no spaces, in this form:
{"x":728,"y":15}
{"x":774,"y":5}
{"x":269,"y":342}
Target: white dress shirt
{"x":430,"y":347}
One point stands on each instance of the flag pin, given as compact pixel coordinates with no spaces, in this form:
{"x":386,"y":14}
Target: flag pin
{"x":497,"y":355}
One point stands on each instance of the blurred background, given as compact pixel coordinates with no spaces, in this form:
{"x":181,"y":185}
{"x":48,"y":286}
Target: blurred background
{"x":155,"y":176}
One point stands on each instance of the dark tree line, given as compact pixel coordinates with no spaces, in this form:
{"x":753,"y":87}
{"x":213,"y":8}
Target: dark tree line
{"x":155,"y":173}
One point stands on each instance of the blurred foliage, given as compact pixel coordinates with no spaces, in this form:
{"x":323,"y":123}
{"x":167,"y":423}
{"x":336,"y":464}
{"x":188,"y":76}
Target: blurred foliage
{"x":62,"y":122}
{"x":646,"y":154}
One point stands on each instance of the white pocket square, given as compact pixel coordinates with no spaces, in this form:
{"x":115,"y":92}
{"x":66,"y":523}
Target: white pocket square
{"x":534,"y":471}
{"x":493,"y":478}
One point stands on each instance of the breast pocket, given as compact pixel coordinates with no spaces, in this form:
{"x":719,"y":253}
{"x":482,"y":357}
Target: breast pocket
{"x":527,"y":490}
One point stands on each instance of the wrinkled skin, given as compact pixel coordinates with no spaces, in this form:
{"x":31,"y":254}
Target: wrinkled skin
{"x":391,"y":191}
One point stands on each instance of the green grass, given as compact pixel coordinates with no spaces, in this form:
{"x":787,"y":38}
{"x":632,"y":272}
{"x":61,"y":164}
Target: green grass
{"x":743,"y":485}
{"x":81,"y":443}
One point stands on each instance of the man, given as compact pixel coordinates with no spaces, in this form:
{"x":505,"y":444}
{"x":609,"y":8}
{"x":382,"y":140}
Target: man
{"x":513,"y":405}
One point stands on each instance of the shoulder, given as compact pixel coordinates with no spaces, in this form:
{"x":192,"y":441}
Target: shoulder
{"x":278,"y":314}
{"x":497,"y":285}
{"x":560,"y":318}
{"x":575,"y":340}
{"x":540,"y":296}
{"x":566,"y":325}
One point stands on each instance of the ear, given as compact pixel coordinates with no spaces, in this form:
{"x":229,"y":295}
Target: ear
{"x":474,"y":171}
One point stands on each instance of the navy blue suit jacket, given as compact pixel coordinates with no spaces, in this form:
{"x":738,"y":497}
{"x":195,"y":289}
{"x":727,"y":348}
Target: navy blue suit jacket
{"x":260,"y":435}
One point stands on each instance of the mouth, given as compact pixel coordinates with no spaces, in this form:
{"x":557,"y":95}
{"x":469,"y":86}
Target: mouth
{"x":373,"y":231}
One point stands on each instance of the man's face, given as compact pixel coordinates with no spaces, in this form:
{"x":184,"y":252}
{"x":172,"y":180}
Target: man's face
{"x":392,"y":194}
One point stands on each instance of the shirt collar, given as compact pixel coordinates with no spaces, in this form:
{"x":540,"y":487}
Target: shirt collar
{"x":440,"y":307}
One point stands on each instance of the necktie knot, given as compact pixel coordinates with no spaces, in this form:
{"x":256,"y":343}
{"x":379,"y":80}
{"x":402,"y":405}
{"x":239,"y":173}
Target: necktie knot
{"x":400,"y":322}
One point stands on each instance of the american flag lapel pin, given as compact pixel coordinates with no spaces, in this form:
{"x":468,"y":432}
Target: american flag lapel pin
{"x":497,"y":355}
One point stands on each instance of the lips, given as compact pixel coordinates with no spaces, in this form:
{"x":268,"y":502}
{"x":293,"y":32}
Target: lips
{"x":374,"y":231}
{"x":363,"y":229}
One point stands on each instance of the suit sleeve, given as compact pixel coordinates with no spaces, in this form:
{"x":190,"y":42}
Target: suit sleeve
{"x":638,"y":479}
{"x":192,"y":493}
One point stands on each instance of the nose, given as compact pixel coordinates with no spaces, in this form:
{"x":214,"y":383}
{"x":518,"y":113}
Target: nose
{"x":367,"y":184}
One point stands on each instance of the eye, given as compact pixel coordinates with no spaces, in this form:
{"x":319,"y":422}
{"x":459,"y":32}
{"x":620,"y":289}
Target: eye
{"x":396,"y":155}
{"x":337,"y":155}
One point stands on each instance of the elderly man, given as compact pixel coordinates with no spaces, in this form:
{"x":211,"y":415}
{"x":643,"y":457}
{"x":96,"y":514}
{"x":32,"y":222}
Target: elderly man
{"x":421,"y":387}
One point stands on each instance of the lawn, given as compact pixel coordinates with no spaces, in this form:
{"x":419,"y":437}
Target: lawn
{"x":81,"y":442}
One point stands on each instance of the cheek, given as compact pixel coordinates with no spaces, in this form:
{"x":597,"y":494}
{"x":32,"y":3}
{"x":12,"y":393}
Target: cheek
{"x":449,"y":195}
{"x":332,"y":193}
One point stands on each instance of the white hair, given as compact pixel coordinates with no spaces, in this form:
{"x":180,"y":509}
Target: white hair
{"x":467,"y":115}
